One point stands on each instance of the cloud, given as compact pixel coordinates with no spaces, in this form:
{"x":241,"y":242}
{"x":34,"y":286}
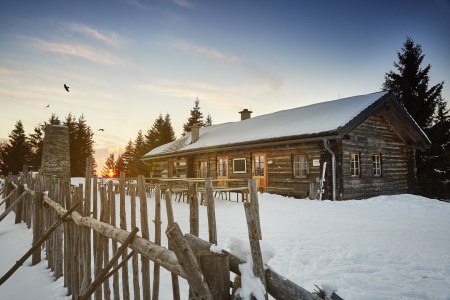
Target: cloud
{"x":205,"y":52}
{"x":109,"y":38}
{"x":183,"y":3}
{"x":273,"y":80}
{"x":78,"y":50}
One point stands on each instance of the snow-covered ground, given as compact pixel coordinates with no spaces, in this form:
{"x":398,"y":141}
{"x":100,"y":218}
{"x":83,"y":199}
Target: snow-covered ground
{"x":387,"y":247}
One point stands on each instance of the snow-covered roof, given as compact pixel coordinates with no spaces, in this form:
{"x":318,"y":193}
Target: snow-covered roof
{"x":307,"y":120}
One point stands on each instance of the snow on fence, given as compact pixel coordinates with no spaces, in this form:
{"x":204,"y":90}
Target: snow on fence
{"x":46,"y":202}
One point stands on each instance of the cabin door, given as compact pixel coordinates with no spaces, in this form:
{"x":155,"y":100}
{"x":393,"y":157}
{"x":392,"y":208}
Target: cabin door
{"x":222,"y":171}
{"x":259,"y":170}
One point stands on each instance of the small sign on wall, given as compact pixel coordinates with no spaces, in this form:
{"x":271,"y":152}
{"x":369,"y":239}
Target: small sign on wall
{"x":316,"y":162}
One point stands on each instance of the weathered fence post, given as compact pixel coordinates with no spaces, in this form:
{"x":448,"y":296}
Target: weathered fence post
{"x":157,"y":221}
{"x":112,"y":210}
{"x":105,"y":217}
{"x":19,"y":205}
{"x":123,"y":225}
{"x":254,"y":233}
{"x":193,"y":209}
{"x":145,"y":264}
{"x":170,"y":221}
{"x":216,"y":269}
{"x":212,"y":230}
{"x":38,"y":199}
{"x":86,"y":232}
{"x":135,"y":259}
{"x":99,"y":247}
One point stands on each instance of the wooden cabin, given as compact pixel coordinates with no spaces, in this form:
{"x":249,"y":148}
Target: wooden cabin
{"x":354,"y":148}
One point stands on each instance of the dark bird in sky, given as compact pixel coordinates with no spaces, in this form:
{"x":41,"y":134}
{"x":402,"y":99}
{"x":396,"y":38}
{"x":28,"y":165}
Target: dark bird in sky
{"x":66,"y":87}
{"x":101,"y":129}
{"x":48,"y":105}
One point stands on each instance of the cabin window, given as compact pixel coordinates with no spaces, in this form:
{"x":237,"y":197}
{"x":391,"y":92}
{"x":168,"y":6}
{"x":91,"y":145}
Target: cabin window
{"x":300,"y":165}
{"x":222,"y":166}
{"x":178,"y":168}
{"x":376,"y":162}
{"x":259,"y":163}
{"x":203,"y":169}
{"x":239,"y":165}
{"x":354,"y":165}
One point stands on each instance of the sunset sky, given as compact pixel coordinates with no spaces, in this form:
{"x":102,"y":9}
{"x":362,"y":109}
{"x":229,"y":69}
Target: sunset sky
{"x":127,"y":61}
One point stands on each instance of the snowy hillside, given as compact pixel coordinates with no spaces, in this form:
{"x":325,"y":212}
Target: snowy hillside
{"x":389,"y":247}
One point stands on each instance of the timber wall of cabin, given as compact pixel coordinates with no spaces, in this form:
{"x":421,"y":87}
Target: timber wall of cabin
{"x":373,"y":136}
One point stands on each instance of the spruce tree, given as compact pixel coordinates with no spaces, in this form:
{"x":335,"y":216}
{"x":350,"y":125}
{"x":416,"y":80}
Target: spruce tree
{"x":140,"y":149}
{"x":16,"y":152}
{"x":109,"y":170}
{"x":410,"y":85}
{"x":36,"y":140}
{"x":128,"y":159}
{"x":196,"y":117}
{"x":81,"y":144}
{"x":120,"y":166}
{"x":208,"y":120}
{"x":161,"y":133}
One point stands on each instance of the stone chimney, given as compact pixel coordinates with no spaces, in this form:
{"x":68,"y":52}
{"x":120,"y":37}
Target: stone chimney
{"x":56,"y":152}
{"x":195,"y":133}
{"x":245,"y":114}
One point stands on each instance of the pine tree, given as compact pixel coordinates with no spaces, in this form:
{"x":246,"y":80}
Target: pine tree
{"x":425,"y":104}
{"x":81,"y":145}
{"x":140,"y":149}
{"x":208,"y":120}
{"x":109,"y":170}
{"x":195,"y":118}
{"x":161,"y":133}
{"x":36,"y":140}
{"x":120,"y":166}
{"x":128,"y":159}
{"x":16,"y":152}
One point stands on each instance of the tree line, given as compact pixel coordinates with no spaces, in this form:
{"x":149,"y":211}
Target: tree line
{"x":161,"y":132}
{"x":26,"y":150}
{"x":410,"y":83}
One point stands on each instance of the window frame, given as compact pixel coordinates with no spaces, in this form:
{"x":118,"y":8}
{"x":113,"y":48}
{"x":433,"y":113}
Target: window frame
{"x":221,"y":159}
{"x":202,"y":168}
{"x":245,"y":165}
{"x":377,"y":165}
{"x":353,"y":163}
{"x":297,"y":165}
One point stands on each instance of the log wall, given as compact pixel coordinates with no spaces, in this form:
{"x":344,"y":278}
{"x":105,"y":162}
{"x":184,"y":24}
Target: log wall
{"x":374,"y":136}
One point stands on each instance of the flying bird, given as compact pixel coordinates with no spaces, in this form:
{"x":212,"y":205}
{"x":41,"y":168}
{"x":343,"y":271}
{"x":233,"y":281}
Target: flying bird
{"x":48,"y":105}
{"x":101,"y":129}
{"x":66,"y":87}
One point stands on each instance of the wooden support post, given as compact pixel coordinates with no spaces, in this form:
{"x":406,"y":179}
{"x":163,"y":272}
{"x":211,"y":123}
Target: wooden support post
{"x":112,"y":210}
{"x":216,"y":269}
{"x":170,"y":221}
{"x":58,"y":257}
{"x":134,"y":262}
{"x":123,"y":225}
{"x":197,"y":284}
{"x":37,"y":245}
{"x":86,"y":232}
{"x":145,"y":264}
{"x":157,"y":221}
{"x":254,"y":233}
{"x":104,"y":272}
{"x":212,"y":230}
{"x":99,"y":243}
{"x":105,"y":217}
{"x":193,"y":209}
{"x":38,"y":199}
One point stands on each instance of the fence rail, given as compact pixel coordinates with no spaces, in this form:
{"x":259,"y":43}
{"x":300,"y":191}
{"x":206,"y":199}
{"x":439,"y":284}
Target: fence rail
{"x":80,"y":248}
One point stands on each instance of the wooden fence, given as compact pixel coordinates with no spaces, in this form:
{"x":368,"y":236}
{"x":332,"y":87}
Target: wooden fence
{"x":85,"y":248}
